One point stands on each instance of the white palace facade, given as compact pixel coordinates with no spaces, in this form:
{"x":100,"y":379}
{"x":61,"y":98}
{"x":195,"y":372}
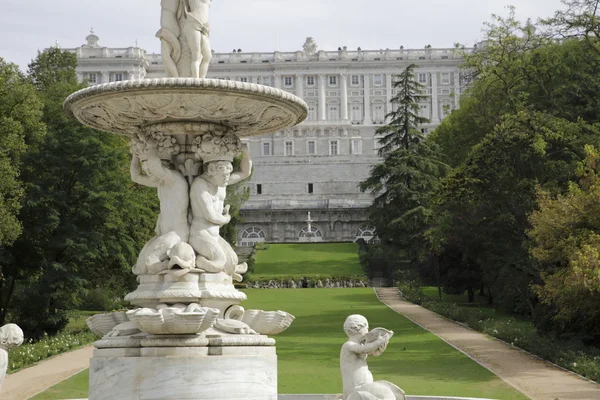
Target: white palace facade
{"x":316,"y":166}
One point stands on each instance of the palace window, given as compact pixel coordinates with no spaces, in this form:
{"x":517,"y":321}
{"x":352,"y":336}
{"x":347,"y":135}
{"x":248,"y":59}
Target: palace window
{"x":333,"y":147}
{"x":445,"y":78}
{"x":333,"y":112}
{"x":251,"y":236}
{"x":244,"y":79}
{"x":312,"y":112}
{"x":332,"y":80}
{"x":289,"y":148}
{"x":258,"y":188}
{"x":311,"y":147}
{"x":310,"y":81}
{"x":422,"y":78}
{"x":117,"y":77}
{"x":91,"y":78}
{"x":377,"y":80}
{"x":356,"y":146}
{"x":355,"y":80}
{"x":287,"y":81}
{"x":266,"y":149}
{"x":356,"y":112}
{"x":310,"y":188}
{"x":378,"y":113}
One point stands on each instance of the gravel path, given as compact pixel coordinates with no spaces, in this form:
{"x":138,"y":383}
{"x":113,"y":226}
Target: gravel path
{"x":532,"y":376}
{"x":30,"y":381}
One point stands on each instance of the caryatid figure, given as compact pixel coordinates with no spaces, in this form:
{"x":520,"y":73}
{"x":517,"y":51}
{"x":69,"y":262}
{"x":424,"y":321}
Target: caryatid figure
{"x":195,"y":28}
{"x":172,"y":11}
{"x":207,"y":197}
{"x":172,"y":225}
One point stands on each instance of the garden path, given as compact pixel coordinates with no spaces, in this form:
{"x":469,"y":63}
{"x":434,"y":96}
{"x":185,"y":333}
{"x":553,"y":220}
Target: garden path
{"x":536,"y":378}
{"x":30,"y":381}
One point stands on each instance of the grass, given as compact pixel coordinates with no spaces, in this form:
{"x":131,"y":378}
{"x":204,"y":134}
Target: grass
{"x":311,"y":259}
{"x":308,"y":352}
{"x":73,"y":336}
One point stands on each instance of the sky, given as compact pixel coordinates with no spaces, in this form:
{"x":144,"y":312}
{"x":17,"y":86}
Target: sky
{"x":27,"y":26}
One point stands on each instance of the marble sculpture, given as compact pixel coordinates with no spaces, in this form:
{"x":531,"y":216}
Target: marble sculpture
{"x":189,"y":337}
{"x":184,"y":36}
{"x":11,"y":336}
{"x":357,"y":379}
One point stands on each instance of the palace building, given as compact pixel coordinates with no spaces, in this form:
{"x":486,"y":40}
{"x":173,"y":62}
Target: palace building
{"x":316,"y":166}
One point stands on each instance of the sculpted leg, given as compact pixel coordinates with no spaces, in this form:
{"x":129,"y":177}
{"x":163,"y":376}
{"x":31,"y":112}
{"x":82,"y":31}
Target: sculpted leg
{"x":170,"y":66}
{"x":194,"y":39}
{"x":206,"y":56}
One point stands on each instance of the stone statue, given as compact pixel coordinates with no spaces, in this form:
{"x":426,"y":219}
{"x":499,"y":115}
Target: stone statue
{"x":10,"y":336}
{"x":309,"y":47}
{"x":195,"y":28}
{"x":207,"y":198}
{"x":169,"y":33}
{"x":357,"y":379}
{"x":172,"y":225}
{"x":184,"y":36}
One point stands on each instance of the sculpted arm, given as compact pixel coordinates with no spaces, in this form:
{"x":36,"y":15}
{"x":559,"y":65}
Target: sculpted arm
{"x":245,"y":168}
{"x":155,"y":166}
{"x":136,"y":173}
{"x":367,"y":347}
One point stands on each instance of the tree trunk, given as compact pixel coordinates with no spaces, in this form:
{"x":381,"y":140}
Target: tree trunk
{"x":471,"y":294}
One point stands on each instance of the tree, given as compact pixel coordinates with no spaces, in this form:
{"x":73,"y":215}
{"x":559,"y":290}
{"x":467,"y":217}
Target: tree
{"x":566,"y":241}
{"x":410,"y":172}
{"x":21,"y":126}
{"x":484,"y":205}
{"x":83,"y":220}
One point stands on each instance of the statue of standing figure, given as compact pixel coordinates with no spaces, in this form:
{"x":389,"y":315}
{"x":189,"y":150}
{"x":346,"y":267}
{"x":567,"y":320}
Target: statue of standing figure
{"x":357,"y":379}
{"x":185,"y":23}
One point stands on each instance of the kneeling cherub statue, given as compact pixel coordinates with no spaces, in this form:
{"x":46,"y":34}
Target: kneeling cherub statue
{"x":357,"y":379}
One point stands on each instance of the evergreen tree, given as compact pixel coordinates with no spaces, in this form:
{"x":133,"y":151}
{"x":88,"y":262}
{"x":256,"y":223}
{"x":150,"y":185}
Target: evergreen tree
{"x":402,"y":184}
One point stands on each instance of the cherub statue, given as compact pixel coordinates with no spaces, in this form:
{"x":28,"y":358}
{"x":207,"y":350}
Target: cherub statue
{"x":357,"y":379}
{"x":10,"y":336}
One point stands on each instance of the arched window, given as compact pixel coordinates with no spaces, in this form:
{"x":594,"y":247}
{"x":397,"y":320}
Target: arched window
{"x":251,"y":236}
{"x":366,"y":233}
{"x":314,"y":235}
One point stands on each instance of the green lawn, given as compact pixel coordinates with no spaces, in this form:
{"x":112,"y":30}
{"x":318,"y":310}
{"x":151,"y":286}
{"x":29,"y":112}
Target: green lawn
{"x":311,"y":259}
{"x":308,"y":352}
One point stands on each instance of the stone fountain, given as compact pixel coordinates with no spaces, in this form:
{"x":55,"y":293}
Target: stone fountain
{"x":189,"y":338}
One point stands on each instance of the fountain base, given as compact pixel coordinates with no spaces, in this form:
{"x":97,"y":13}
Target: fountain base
{"x":190,"y":373}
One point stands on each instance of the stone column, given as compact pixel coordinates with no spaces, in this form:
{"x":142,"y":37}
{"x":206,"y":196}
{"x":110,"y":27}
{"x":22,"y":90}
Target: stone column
{"x":322,"y":105}
{"x":344,"y":95}
{"x":300,"y":86}
{"x":388,"y":93}
{"x":277,"y":81}
{"x":367,"y":99}
{"x":456,"y":89}
{"x":435,"y":113}
{"x":105,"y":77}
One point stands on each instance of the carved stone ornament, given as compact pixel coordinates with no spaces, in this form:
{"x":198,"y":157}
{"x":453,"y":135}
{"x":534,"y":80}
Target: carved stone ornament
{"x":127,"y":107}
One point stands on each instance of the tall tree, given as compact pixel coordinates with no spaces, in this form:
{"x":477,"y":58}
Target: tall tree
{"x":402,"y":184}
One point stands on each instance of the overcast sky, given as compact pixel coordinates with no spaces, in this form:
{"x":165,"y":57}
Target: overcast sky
{"x":257,"y":25}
